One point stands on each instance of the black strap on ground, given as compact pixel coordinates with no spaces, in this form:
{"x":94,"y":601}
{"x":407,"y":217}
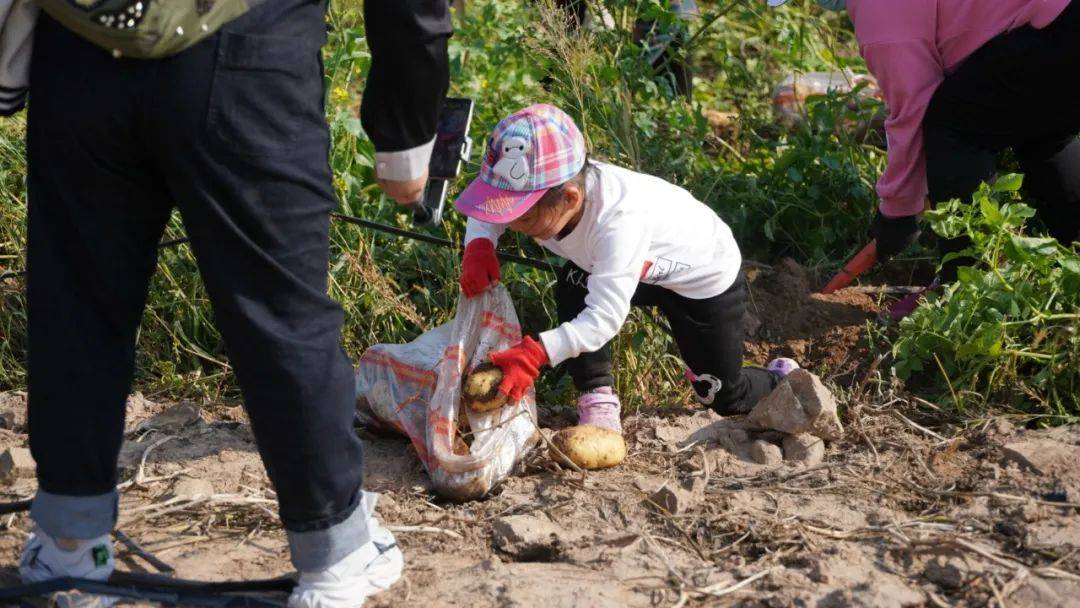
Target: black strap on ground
{"x":147,"y":556}
{"x":15,"y":507}
{"x":434,"y":240}
{"x":394,"y":230}
{"x":281,"y":584}
{"x":153,"y":588}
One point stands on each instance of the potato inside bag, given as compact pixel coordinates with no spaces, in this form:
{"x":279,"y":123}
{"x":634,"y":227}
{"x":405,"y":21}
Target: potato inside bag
{"x":415,"y":388}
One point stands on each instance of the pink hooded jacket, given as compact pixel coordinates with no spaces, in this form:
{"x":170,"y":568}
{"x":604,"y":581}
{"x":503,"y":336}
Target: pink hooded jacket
{"x":911,"y":46}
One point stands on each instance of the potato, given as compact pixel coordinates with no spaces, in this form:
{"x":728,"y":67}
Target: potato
{"x":481,"y":388}
{"x":590,"y":447}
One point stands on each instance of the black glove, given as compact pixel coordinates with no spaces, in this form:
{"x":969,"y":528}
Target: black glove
{"x":893,"y":234}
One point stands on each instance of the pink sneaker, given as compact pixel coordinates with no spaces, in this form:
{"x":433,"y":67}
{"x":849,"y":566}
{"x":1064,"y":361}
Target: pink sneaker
{"x":600,"y":407}
{"x":782,"y":366}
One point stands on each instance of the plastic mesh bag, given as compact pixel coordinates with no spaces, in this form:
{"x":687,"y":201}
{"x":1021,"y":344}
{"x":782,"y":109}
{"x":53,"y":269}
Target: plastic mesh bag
{"x":415,"y":388}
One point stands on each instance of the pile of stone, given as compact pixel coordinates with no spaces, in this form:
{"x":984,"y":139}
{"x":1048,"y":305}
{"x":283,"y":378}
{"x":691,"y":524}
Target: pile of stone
{"x":793,"y":422}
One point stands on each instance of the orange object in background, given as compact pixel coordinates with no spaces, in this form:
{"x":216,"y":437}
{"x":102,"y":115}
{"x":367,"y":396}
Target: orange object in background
{"x":863,"y":261}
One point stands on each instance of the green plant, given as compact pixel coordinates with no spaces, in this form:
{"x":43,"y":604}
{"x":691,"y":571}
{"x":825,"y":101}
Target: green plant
{"x":809,"y":193}
{"x":12,"y":238}
{"x":1008,"y":330}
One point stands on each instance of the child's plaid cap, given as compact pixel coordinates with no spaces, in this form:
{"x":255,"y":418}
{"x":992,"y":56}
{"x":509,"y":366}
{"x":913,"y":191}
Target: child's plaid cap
{"x":529,"y":152}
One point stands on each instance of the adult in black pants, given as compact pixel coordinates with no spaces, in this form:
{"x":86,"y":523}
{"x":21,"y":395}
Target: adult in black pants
{"x":708,"y":332}
{"x":1018,"y":91}
{"x":232,"y":133}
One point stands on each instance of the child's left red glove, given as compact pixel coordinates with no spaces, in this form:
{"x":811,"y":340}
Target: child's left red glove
{"x":520,"y":366}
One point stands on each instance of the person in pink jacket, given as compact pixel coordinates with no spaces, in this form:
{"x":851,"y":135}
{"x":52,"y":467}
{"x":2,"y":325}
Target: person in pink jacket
{"x":964,"y":80}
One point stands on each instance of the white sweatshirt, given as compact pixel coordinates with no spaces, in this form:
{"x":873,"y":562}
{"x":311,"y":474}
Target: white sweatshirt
{"x":635,"y":228}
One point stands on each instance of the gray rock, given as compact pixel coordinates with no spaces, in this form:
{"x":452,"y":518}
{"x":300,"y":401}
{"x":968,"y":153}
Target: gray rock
{"x":1040,"y":592}
{"x":799,"y":404}
{"x":1042,"y":455}
{"x":818,"y":570}
{"x":738,"y":436}
{"x":1001,"y":426}
{"x":949,"y":573}
{"x":13,"y":411}
{"x":528,"y":538}
{"x":777,"y":409}
{"x":804,"y":449}
{"x":767,"y":453}
{"x":173,"y":418}
{"x":676,"y":499}
{"x":16,"y":463}
{"x":192,"y":488}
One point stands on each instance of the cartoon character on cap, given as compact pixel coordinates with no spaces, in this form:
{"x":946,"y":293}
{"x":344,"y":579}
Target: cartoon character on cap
{"x":512,"y":165}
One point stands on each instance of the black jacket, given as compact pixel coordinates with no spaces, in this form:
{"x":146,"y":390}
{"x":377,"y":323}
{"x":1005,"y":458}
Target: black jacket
{"x":410,"y":71}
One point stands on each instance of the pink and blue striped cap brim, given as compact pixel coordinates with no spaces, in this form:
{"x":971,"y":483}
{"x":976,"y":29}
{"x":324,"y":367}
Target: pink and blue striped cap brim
{"x":494,"y":205}
{"x":529,"y":152}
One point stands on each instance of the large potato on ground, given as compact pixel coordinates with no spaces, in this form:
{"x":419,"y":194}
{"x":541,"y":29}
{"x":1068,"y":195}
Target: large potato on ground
{"x":481,"y":388}
{"x":590,"y":447}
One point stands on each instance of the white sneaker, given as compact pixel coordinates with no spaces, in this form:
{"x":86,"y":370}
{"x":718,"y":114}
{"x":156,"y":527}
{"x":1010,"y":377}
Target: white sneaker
{"x":372,"y":568}
{"x":42,"y":559}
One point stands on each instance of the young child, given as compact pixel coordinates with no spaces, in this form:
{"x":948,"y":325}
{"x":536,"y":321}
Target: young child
{"x":629,"y":240}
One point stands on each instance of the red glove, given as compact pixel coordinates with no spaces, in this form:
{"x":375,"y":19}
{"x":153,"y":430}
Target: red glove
{"x":520,"y":366}
{"x":479,"y":267}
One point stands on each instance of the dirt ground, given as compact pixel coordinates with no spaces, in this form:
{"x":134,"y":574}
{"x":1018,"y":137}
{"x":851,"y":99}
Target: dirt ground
{"x":786,"y":318}
{"x":902,"y":512}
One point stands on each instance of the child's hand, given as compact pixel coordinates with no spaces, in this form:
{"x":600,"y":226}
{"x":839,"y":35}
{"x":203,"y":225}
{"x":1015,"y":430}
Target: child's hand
{"x":520,"y":366}
{"x":479,"y":267}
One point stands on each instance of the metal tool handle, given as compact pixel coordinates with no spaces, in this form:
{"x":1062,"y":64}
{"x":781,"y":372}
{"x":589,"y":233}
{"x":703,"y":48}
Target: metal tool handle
{"x":429,"y":209}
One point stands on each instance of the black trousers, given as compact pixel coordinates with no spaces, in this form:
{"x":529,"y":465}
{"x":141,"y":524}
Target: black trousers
{"x":1018,"y":91}
{"x":708,"y":333}
{"x":232,"y":133}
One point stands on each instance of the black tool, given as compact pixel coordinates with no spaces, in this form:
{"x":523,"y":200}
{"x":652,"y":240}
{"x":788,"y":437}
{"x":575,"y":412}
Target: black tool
{"x":452,"y":147}
{"x":428,"y":211}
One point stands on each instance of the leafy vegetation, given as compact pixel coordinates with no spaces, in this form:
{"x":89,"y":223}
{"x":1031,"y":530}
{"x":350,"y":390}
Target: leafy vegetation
{"x":805,"y":192}
{"x":1006,"y":331}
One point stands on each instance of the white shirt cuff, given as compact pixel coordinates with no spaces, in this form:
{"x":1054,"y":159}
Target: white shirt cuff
{"x":557,"y":345}
{"x":404,"y":165}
